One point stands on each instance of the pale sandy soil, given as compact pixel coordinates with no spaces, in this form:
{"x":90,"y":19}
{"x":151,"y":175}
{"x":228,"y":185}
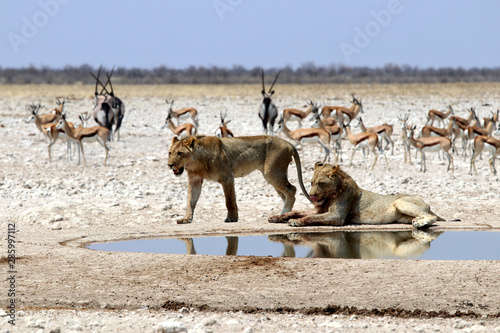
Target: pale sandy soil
{"x":59,"y":207}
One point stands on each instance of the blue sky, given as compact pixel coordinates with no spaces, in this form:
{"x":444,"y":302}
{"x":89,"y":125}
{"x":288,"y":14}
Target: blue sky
{"x":147,"y":34}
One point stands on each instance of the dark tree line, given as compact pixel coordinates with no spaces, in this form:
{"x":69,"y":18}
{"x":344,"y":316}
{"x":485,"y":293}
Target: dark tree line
{"x":307,"y":73}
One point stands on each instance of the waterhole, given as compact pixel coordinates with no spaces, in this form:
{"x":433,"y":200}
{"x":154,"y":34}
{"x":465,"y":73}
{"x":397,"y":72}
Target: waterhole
{"x":416,"y":244}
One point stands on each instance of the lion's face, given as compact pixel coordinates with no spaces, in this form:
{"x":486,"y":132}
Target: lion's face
{"x":180,"y":154}
{"x":325,"y":183}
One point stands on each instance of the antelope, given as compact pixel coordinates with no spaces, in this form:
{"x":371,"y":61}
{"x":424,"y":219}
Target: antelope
{"x":180,"y":131}
{"x":100,"y":134}
{"x":84,"y":118}
{"x":108,"y":109}
{"x":431,"y":131}
{"x":223,"y":131}
{"x":347,"y":115}
{"x":335,"y":131}
{"x":307,"y":135}
{"x":299,"y":115}
{"x":327,"y":111}
{"x":384,"y":131}
{"x":364,"y":140}
{"x":183,"y":113}
{"x":438,"y":115}
{"x":463,"y":121}
{"x":487,"y":144}
{"x":43,"y":122}
{"x":494,"y":117}
{"x":55,"y":133}
{"x":404,"y":135}
{"x":432,"y":144}
{"x":268,"y":112}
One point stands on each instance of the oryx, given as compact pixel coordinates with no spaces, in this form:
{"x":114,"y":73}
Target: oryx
{"x":268,"y":112}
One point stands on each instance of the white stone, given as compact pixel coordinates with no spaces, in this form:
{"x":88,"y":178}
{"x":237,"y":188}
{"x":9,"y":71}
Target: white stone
{"x":170,"y":326}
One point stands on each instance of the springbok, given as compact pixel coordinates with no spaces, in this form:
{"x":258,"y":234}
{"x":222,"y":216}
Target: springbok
{"x":487,"y":144}
{"x":307,"y":135}
{"x":404,"y":135}
{"x":439,"y":116}
{"x":84,"y":118}
{"x":328,"y":110}
{"x":183,"y":113}
{"x":85,"y":134}
{"x":222,"y":131}
{"x":268,"y":112}
{"x":383,"y":131}
{"x":299,"y":115}
{"x":364,"y":140}
{"x":466,"y":122}
{"x":347,"y":115}
{"x":54,"y":134}
{"x":43,"y":122}
{"x":336,"y":132}
{"x":181,"y":131}
{"x":109,"y":110}
{"x":432,"y":144}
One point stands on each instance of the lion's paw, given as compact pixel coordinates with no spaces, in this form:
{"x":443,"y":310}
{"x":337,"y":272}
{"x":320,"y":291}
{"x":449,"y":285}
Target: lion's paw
{"x":275,"y":219}
{"x":231,"y":219}
{"x":424,"y":221}
{"x":295,"y":223}
{"x":424,"y":236}
{"x":184,"y":221}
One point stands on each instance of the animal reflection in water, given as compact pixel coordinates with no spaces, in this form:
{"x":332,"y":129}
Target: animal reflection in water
{"x":352,"y":245}
{"x":362,"y":245}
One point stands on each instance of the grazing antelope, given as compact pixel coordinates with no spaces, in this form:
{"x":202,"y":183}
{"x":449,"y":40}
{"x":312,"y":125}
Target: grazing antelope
{"x":404,"y":135}
{"x":432,"y":144}
{"x":336,"y":132}
{"x":222,"y":131}
{"x":85,"y":134}
{"x":183,"y":113}
{"x":181,"y":131}
{"x":268,"y":112}
{"x":299,"y":115}
{"x":307,"y":135}
{"x":487,"y":144}
{"x":439,"y":116}
{"x":383,"y":131}
{"x":364,"y":140}
{"x":109,"y":110}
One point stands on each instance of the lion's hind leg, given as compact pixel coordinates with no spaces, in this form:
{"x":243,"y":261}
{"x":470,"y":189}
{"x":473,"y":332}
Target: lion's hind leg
{"x":415,"y":207}
{"x":285,"y":190}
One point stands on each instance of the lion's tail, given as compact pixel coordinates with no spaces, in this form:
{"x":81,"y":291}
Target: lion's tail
{"x":296,"y":157}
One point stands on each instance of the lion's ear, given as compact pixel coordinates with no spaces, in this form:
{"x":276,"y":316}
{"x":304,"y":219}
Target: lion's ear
{"x":189,"y":143}
{"x":317,"y":165}
{"x":174,"y":140}
{"x":333,"y":171}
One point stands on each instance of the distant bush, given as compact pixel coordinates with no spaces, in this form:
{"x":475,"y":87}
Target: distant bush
{"x":307,"y":73}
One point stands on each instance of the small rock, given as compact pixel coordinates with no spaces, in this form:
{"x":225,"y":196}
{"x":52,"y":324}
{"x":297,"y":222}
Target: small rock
{"x":170,"y":326}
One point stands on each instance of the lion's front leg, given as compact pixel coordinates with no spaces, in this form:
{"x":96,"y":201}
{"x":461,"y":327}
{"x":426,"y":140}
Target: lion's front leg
{"x":328,"y":218}
{"x":194,"y":191}
{"x":283,"y":218}
{"x":230,"y":194}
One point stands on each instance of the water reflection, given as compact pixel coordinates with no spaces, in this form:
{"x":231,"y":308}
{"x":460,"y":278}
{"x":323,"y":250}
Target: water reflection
{"x":361,"y":245}
{"x":354,"y":245}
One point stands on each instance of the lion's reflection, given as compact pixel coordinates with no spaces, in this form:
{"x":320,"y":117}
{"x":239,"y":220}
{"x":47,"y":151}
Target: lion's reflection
{"x":343,"y":244}
{"x":361,"y":245}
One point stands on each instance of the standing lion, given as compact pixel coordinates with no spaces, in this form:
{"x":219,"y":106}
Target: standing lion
{"x":223,"y":159}
{"x":339,"y":200}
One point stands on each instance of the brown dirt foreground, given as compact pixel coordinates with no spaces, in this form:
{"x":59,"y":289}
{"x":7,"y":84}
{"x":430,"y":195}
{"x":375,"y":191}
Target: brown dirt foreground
{"x":59,"y":208}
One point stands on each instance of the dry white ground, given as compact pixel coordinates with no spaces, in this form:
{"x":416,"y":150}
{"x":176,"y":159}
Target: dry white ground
{"x":59,"y":207}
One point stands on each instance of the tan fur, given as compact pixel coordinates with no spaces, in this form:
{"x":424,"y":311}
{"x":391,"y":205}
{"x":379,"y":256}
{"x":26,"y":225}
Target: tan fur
{"x":223,"y":159}
{"x":339,"y":200}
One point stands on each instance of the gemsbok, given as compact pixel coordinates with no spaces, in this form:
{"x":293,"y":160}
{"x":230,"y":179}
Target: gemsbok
{"x":183,"y":113}
{"x":364,"y":140}
{"x":487,"y":144}
{"x":268,"y":112}
{"x":439,"y":116}
{"x":432,"y":144}
{"x":307,"y":135}
{"x":109,"y":110}
{"x":85,"y":134}
{"x":181,"y":131}
{"x":383,"y":131}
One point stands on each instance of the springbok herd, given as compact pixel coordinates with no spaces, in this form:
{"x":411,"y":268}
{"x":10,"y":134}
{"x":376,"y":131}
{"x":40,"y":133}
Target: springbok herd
{"x":327,"y":126}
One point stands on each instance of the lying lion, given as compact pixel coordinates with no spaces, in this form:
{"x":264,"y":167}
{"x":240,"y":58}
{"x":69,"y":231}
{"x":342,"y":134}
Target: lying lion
{"x":339,"y":200}
{"x":223,"y":159}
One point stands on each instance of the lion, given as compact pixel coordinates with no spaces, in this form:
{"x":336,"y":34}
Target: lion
{"x":223,"y":159}
{"x":339,"y":200}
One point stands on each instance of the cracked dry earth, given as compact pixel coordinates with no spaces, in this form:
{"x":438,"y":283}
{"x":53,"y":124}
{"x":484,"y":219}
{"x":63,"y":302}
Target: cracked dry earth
{"x":58,"y":208}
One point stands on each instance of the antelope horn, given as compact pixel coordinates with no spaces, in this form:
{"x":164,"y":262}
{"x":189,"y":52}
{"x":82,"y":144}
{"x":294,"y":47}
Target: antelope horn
{"x":275,"y":79}
{"x":98,"y":82}
{"x":97,"y":78}
{"x":263,"y":85}
{"x":110,"y":85}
